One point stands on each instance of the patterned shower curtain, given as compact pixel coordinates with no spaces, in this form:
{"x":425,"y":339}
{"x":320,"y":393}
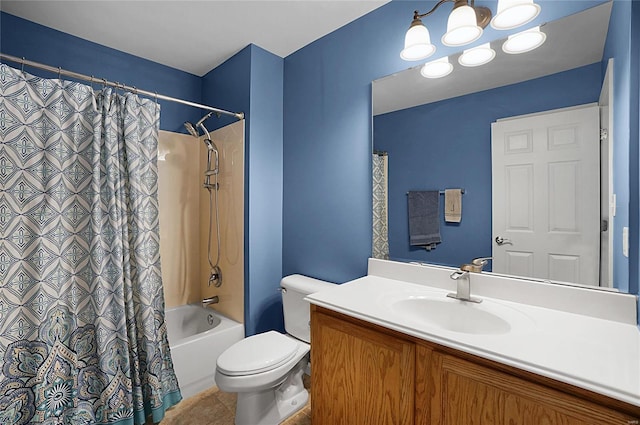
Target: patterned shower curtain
{"x":82,"y":332}
{"x":380,"y":204}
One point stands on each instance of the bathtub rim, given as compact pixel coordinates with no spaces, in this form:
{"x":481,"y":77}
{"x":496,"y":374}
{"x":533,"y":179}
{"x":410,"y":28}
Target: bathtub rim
{"x":225,"y":323}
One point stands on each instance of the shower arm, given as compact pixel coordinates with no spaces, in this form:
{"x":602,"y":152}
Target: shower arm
{"x":201,"y":125}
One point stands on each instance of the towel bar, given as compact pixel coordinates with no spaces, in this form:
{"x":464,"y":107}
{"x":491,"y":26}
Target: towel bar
{"x":441,"y":192}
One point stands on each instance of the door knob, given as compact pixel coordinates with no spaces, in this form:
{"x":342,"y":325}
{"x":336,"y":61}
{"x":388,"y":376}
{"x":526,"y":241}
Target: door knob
{"x":503,"y":241}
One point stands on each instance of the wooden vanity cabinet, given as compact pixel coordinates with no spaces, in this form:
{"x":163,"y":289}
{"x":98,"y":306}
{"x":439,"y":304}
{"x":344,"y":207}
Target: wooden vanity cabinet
{"x":369,"y":375}
{"x":465,"y":392}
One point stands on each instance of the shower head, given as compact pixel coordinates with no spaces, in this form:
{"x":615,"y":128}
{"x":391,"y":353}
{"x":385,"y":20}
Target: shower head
{"x":195,"y":132}
{"x":192,"y":129}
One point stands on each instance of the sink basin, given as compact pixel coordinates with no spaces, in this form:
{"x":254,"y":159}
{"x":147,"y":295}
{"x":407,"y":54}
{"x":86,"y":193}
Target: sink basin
{"x":458,"y":316}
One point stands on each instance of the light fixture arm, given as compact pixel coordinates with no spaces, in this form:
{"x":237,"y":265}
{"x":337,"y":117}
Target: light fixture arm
{"x":418,"y":15}
{"x":483,"y":14}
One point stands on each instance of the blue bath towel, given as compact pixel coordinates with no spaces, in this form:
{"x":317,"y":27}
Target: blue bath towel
{"x":424,"y":218}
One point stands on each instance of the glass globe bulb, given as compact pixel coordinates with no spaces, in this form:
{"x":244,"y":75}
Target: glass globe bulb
{"x":462,"y":27}
{"x":437,"y":69}
{"x":514,"y":13}
{"x":417,"y":43}
{"x":477,"y":56}
{"x":524,"y":41}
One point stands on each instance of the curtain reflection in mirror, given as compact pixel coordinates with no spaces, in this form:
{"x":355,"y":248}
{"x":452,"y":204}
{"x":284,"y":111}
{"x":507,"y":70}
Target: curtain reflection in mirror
{"x":380,"y":206}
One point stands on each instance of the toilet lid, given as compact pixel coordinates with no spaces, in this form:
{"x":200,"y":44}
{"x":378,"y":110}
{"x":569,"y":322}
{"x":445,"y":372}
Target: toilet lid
{"x":257,"y":353}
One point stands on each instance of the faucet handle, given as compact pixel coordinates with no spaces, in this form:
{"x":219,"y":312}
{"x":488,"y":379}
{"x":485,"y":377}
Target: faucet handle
{"x":481,"y":261}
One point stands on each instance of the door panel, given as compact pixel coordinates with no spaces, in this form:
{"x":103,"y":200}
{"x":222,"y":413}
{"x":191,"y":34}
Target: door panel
{"x":519,"y":263}
{"x":519,"y":192}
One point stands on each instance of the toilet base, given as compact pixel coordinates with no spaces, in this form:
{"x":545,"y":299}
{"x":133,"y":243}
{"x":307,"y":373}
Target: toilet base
{"x":271,"y":407}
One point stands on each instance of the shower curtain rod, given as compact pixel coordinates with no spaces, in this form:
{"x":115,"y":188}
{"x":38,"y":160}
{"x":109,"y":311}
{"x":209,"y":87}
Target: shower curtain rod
{"x":60,"y":71}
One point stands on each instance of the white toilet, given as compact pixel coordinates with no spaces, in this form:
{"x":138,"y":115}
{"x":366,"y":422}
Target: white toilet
{"x":266,"y":369}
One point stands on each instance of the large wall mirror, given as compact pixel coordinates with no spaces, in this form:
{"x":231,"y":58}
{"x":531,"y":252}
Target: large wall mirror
{"x":482,"y":129}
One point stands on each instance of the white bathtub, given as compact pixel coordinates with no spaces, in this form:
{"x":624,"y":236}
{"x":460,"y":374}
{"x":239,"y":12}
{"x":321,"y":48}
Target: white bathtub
{"x":197,"y":336}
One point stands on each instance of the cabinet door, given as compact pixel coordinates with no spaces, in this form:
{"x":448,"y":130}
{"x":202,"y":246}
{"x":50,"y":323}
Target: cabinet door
{"x":463,"y":392}
{"x":359,"y":376}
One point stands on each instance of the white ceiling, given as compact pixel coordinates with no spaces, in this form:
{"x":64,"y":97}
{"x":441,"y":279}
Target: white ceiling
{"x":194,"y":36}
{"x":573,"y":41}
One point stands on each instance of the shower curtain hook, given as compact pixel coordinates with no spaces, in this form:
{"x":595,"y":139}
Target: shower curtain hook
{"x":22,"y":69}
{"x":59,"y":72}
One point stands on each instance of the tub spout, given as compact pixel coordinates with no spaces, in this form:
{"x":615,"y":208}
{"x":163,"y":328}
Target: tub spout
{"x":210,"y":300}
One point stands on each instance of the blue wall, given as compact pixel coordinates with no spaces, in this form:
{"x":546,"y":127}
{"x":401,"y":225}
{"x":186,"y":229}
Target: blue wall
{"x":38,"y":43}
{"x":228,"y":87}
{"x":424,"y":145}
{"x":327,"y":134}
{"x":252,"y":81}
{"x":265,"y":193}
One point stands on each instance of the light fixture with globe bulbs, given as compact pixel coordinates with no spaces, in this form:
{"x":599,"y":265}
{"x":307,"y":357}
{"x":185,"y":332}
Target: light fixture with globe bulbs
{"x":465,"y":24}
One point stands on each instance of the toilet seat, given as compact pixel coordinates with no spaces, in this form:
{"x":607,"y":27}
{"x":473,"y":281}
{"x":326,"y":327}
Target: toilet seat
{"x":256,"y":354}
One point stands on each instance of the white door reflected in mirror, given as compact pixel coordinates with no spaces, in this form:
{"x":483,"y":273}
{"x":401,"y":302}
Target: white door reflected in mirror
{"x":545,"y":195}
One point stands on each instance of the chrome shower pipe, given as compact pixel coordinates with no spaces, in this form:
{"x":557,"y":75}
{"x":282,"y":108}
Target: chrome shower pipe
{"x":206,"y":132}
{"x":215,"y":277}
{"x":206,"y":117}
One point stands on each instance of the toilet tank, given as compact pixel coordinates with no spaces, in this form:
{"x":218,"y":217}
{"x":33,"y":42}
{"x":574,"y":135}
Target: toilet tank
{"x":296,"y":309}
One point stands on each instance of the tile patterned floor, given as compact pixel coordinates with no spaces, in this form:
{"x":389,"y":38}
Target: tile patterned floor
{"x":214,"y":407}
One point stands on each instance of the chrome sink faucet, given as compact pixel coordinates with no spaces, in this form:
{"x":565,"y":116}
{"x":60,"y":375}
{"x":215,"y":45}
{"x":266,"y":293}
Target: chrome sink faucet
{"x":463,"y":280}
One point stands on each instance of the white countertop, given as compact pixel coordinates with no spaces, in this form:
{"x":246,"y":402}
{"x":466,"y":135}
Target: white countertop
{"x":589,"y":352}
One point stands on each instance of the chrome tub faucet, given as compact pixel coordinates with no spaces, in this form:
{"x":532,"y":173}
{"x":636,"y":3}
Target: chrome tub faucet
{"x":210,"y":300}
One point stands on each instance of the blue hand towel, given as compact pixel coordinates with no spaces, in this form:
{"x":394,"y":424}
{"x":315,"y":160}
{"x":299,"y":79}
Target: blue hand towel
{"x":424,"y":219}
